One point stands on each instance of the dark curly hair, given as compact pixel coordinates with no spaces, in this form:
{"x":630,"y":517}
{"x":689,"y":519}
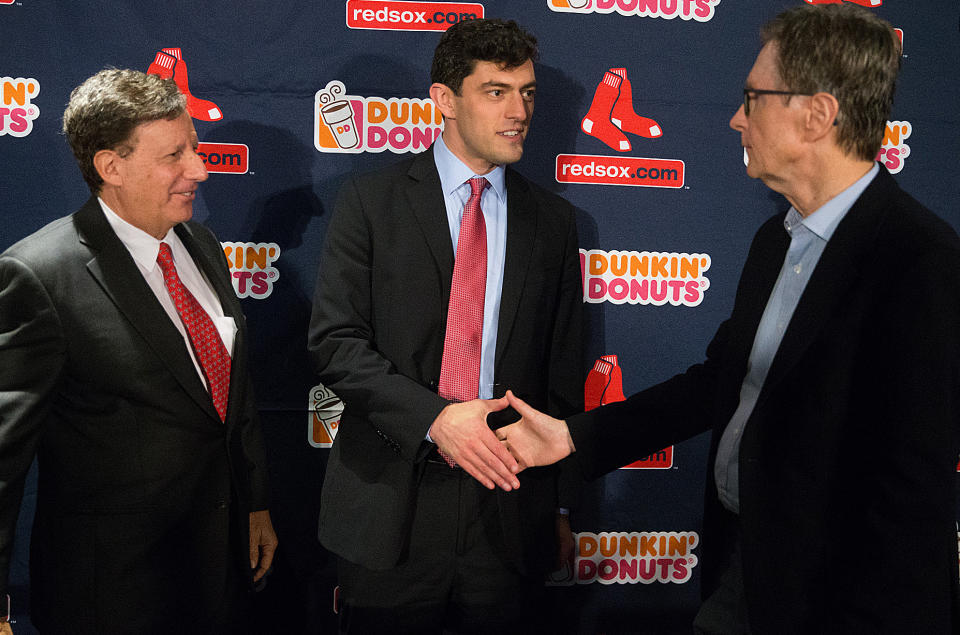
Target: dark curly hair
{"x":503,"y":42}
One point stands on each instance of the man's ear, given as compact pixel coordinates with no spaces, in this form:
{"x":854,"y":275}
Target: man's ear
{"x":443,"y":96}
{"x":107,"y":164}
{"x":824,"y":110}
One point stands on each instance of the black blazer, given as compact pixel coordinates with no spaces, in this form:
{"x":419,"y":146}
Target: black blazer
{"x":136,"y":470}
{"x":848,"y":461}
{"x":376,"y":338}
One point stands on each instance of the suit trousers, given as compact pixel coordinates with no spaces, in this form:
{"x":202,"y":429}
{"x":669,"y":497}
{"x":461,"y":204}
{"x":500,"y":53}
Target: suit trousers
{"x":453,"y":576}
{"x":725,"y":611}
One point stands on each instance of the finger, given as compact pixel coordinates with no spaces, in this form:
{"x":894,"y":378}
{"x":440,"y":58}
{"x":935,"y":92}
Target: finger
{"x":517,"y":455}
{"x":520,"y":406}
{"x":503,"y":456}
{"x":483,"y":460}
{"x":505,"y":476}
{"x":254,"y":548}
{"x":496,"y":405}
{"x":478,"y":474}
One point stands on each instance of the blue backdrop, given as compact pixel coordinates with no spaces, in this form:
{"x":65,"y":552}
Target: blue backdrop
{"x":290,"y":97}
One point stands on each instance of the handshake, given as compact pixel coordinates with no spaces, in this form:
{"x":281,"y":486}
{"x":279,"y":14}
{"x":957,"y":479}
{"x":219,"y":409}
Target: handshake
{"x":494,"y":457}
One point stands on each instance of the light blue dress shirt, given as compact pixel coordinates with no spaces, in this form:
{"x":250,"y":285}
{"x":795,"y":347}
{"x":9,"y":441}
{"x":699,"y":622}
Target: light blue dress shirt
{"x":454,"y":177}
{"x":808,"y":239}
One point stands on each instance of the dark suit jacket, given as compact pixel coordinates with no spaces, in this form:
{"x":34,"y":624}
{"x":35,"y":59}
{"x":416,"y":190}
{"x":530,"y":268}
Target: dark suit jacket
{"x":377,"y":340}
{"x":137,"y":472}
{"x":848,"y":462}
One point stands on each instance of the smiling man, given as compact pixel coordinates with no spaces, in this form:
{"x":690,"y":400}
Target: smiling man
{"x":444,"y":280}
{"x":123,"y":369}
{"x":833,"y":390}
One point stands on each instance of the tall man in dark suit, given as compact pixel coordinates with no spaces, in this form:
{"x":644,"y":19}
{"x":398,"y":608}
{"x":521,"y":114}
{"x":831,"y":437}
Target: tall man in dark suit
{"x":445,"y":279}
{"x":123,"y":369}
{"x":832,"y":389}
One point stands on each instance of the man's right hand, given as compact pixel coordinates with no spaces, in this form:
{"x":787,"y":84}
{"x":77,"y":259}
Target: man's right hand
{"x":5,"y":628}
{"x":537,"y":439}
{"x":461,"y":431}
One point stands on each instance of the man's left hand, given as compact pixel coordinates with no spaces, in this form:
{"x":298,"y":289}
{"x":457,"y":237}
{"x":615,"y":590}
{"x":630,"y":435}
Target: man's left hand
{"x":263,"y":543}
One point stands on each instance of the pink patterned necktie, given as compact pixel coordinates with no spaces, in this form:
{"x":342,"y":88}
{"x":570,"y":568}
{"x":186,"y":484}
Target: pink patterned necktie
{"x":207,"y":345}
{"x":460,"y":368}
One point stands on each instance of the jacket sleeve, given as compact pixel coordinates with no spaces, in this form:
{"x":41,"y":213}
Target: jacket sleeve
{"x":32,"y":354}
{"x":342,"y":342}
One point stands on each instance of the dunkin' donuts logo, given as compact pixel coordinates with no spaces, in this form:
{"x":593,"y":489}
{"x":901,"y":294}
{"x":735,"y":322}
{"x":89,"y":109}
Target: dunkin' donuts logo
{"x":17,"y":110}
{"x":644,"y":277}
{"x":699,"y":10}
{"x":395,"y":15}
{"x":251,"y":267}
{"x":894,"y":151}
{"x":352,"y":124}
{"x":324,"y":409}
{"x":632,"y":558}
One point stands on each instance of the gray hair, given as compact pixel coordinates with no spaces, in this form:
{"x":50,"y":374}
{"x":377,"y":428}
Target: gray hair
{"x":105,"y":109}
{"x":849,"y":52}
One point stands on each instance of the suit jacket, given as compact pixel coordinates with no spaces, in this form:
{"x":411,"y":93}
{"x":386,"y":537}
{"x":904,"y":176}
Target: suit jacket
{"x":848,"y":461}
{"x":137,"y":474}
{"x":376,"y":339}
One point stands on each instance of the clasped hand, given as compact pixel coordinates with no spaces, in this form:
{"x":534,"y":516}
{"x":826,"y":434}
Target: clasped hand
{"x":495,"y":457}
{"x":462,"y":433}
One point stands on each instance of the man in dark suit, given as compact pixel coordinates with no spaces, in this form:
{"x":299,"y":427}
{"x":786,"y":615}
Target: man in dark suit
{"x":423,"y":544}
{"x":123,"y":369}
{"x":832,"y":389}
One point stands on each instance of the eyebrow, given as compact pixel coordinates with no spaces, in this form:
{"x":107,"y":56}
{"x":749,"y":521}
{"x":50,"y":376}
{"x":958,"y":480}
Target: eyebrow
{"x":496,"y":84}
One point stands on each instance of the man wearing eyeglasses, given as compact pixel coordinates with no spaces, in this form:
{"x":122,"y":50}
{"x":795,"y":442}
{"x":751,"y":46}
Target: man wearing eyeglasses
{"x":832,"y":389}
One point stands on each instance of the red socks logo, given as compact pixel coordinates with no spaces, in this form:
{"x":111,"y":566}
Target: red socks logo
{"x":169,"y":63}
{"x":612,"y":112}
{"x":604,"y":383}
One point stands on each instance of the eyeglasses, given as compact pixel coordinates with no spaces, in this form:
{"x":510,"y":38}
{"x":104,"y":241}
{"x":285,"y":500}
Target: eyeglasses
{"x":752,"y":93}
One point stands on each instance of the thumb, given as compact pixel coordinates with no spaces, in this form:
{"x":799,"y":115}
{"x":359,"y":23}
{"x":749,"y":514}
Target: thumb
{"x":520,"y":406}
{"x":496,"y":405}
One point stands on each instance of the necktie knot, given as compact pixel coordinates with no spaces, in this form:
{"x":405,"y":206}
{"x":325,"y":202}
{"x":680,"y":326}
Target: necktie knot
{"x":477,"y":185}
{"x":165,"y":257}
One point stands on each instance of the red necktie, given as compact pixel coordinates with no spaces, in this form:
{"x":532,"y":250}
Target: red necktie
{"x":207,"y":345}
{"x":460,"y":368}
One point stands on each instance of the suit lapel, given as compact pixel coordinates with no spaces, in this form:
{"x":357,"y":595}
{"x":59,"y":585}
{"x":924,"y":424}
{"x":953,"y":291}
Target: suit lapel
{"x":838,"y":269}
{"x":118,"y":275}
{"x":521,"y":231}
{"x":425,"y":200}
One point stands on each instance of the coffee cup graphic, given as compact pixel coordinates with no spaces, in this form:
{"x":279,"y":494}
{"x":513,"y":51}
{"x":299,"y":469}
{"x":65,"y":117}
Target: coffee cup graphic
{"x":338,"y":116}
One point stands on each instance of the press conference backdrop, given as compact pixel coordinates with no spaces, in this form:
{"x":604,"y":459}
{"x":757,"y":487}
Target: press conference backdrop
{"x":290,"y":97}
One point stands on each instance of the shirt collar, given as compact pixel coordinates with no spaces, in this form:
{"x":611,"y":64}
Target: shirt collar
{"x":454,"y":172}
{"x":142,"y":246}
{"x":824,"y":220}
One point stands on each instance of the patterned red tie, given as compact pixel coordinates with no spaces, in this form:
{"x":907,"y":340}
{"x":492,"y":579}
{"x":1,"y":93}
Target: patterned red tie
{"x":460,"y":368}
{"x":207,"y":345}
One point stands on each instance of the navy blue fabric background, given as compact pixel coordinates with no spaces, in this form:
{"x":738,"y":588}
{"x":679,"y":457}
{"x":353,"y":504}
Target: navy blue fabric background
{"x":262,"y":64}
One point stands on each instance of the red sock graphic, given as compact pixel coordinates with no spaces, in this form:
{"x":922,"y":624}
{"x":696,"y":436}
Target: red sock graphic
{"x":162,"y":65}
{"x":596,"y":384}
{"x":596,"y":123}
{"x":623,"y":115}
{"x":614,"y":391}
{"x":199,"y":108}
